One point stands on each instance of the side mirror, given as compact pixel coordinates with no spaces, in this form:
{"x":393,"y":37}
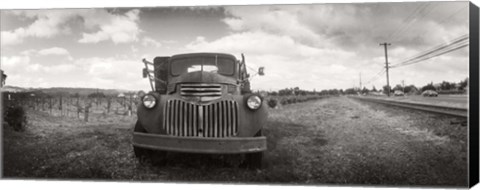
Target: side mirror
{"x":145,"y":72}
{"x":261,"y":71}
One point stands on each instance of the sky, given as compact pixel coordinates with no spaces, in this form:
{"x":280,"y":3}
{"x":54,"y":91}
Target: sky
{"x":319,"y":46}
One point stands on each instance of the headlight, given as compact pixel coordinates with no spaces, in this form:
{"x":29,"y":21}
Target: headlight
{"x":149,"y":101}
{"x":254,"y":102}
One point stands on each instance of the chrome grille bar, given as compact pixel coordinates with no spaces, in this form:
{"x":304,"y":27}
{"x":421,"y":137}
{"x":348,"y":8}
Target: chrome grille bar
{"x":201,"y":90}
{"x":216,"y":120}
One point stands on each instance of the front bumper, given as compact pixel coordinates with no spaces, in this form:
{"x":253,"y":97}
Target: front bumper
{"x":200,"y":145}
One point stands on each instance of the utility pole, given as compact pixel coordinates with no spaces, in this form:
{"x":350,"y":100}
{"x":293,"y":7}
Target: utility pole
{"x":386,"y":66}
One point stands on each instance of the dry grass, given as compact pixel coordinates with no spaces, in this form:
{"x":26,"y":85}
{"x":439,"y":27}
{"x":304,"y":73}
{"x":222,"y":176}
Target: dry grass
{"x":336,"y":141}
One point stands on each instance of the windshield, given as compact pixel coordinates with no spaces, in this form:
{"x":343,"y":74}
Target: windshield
{"x":218,"y":65}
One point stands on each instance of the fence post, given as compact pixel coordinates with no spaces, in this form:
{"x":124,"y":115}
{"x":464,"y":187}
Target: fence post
{"x":130,"y":106}
{"x":50,"y":105}
{"x":87,"y":109}
{"x":79,"y":108}
{"x":60,"y":106}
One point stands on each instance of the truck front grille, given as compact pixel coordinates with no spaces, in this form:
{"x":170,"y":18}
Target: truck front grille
{"x":205,"y":91}
{"x":218,"y":119}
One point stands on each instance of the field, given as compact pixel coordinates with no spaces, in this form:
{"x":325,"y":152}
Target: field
{"x":335,"y":140}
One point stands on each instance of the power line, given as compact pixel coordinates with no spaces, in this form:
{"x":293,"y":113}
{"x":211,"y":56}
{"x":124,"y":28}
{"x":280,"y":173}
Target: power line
{"x":408,"y":19}
{"x":439,"y":47}
{"x":375,"y":77}
{"x":436,"y":55}
{"x":438,"y":50}
{"x":421,"y":12}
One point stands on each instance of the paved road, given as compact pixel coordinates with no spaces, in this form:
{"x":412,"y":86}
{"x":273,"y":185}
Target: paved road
{"x":446,"y":100}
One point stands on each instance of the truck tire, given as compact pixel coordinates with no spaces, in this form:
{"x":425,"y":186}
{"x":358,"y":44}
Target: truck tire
{"x":254,"y":160}
{"x":142,"y":154}
{"x":145,"y":155}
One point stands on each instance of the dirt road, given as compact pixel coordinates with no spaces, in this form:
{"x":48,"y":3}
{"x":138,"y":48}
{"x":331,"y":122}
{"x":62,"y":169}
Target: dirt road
{"x":335,"y":141}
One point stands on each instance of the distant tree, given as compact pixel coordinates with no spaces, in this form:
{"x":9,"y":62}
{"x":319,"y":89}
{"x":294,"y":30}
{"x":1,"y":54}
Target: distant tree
{"x":285,"y":92}
{"x":463,"y":84}
{"x":374,"y":89}
{"x":410,"y":88}
{"x":398,"y":87}
{"x":76,"y":95}
{"x":428,"y":87}
{"x":447,"y":86}
{"x":334,"y":92}
{"x":296,"y":91}
{"x":365,"y":90}
{"x":273,"y":93}
{"x":96,"y":95}
{"x":350,"y":91}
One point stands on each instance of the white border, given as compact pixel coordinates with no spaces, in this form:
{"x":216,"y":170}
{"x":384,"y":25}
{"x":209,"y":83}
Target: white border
{"x":73,"y":185}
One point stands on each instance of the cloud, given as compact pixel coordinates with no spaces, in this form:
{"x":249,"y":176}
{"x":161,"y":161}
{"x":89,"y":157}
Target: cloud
{"x":282,"y":20}
{"x":118,"y":28}
{"x":112,"y":73}
{"x":147,"y":41}
{"x":327,"y":46}
{"x":94,"y":72}
{"x":54,"y":51}
{"x":12,"y":37}
{"x":355,"y":26}
{"x":49,"y":23}
{"x":284,"y":58}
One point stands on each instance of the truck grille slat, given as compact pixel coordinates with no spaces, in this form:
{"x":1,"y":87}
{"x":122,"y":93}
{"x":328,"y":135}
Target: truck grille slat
{"x":200,"y":93}
{"x":224,"y":118}
{"x":201,"y":90}
{"x":229,"y":118}
{"x":234,"y":120}
{"x":219,"y":119}
{"x":215,"y":120}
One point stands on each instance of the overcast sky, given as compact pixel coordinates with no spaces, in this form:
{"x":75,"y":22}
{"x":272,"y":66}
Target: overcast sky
{"x":321,"y":46}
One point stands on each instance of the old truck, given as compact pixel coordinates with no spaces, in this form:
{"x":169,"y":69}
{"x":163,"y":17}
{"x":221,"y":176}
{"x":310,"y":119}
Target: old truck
{"x":200,"y":103}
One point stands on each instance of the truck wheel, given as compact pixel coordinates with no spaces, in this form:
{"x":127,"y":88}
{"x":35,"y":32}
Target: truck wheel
{"x":144,"y":155}
{"x":254,"y":160}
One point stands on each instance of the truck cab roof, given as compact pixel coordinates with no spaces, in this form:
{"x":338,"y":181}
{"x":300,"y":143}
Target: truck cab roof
{"x":203,"y":54}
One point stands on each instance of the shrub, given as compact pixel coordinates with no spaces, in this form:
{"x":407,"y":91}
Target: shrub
{"x":272,"y":103}
{"x":15,"y":117}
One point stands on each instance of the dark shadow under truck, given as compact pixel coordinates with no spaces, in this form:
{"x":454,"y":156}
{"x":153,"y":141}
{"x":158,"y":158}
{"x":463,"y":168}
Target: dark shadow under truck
{"x":200,"y":103}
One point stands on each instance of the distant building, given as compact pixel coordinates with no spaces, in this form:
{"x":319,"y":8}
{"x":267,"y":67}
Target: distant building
{"x":121,"y":95}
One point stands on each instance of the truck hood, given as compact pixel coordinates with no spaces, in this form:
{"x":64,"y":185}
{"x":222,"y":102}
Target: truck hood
{"x":203,"y":77}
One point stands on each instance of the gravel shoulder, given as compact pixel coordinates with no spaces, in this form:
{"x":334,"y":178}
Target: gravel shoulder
{"x":330,"y":141}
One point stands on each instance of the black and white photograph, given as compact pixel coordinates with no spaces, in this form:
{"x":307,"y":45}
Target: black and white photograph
{"x":374,"y":94}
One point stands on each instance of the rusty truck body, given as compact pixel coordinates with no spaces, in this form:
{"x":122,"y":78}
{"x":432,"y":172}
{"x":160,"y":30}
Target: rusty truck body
{"x":200,"y":103}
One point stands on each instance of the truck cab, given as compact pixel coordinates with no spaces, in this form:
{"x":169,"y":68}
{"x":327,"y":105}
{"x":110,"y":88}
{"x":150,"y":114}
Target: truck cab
{"x":200,"y":103}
